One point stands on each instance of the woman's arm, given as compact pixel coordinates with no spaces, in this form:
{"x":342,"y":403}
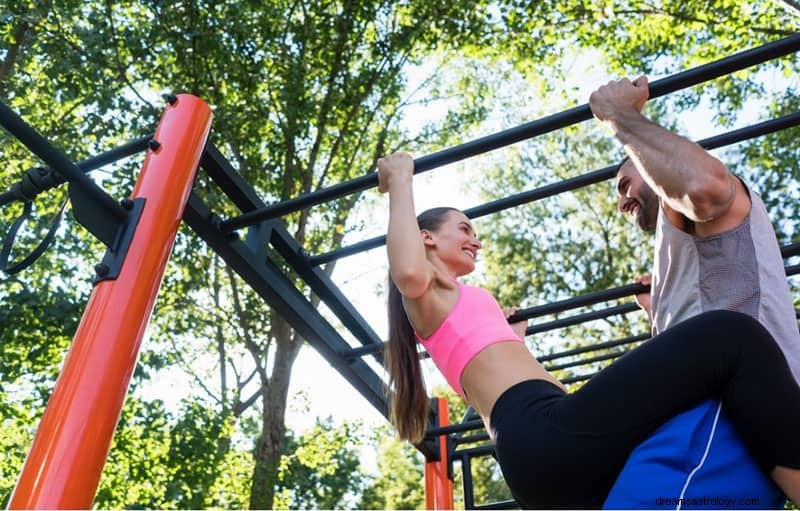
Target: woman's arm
{"x":409,"y":268}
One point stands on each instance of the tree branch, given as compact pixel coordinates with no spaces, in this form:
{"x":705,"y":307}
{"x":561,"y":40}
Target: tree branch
{"x":12,"y":53}
{"x":120,"y":68}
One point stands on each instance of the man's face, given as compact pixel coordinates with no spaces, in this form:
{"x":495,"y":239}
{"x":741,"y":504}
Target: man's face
{"x":636,"y":198}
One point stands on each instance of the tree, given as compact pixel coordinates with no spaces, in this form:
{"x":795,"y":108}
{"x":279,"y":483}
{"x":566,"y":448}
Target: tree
{"x":305,"y":94}
{"x":320,"y":469}
{"x":399,"y":484}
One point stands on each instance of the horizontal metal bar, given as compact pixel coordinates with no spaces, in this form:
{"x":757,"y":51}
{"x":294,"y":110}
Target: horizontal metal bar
{"x":576,"y":379}
{"x":505,"y":504}
{"x":585,"y":361}
{"x":118,"y":153}
{"x":282,"y":295}
{"x":473,"y":452}
{"x":481,"y":437}
{"x":54,"y":158}
{"x":573,"y":183}
{"x":682,"y":80}
{"x":594,"y":347}
{"x":790,"y":250}
{"x":582,"y":318}
{"x":471,"y":425}
{"x":578,"y":301}
{"x":87,"y":165}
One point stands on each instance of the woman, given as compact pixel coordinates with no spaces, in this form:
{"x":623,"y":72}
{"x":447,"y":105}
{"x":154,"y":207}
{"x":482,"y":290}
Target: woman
{"x":557,"y":449}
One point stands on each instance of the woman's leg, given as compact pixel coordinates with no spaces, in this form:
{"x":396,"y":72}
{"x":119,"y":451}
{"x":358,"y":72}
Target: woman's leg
{"x":716,"y":354}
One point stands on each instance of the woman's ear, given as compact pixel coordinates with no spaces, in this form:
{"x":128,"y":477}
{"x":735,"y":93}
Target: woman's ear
{"x":427,"y":238}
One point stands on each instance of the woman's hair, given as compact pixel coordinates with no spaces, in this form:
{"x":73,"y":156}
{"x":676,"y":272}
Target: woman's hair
{"x":409,"y":402}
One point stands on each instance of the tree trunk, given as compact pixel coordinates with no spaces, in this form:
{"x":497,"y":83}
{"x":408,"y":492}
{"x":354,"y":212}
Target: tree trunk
{"x":268,"y":449}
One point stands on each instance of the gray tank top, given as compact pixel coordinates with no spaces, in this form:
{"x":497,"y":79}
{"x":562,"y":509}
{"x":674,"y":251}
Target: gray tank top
{"x":740,"y":269}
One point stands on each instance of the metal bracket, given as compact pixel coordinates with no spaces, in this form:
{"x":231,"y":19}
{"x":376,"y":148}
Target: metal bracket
{"x":431,"y":446}
{"x":115,"y":234}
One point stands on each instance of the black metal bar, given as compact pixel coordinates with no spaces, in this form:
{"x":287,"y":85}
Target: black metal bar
{"x":466,"y":471}
{"x":573,"y":183}
{"x":270,"y":283}
{"x":321,"y":283}
{"x":230,"y":182}
{"x":116,"y":154}
{"x":246,"y":199}
{"x":480,"y":437}
{"x":505,"y":504}
{"x":471,"y":425}
{"x":481,"y":450}
{"x":578,"y":301}
{"x":576,"y":379}
{"x":682,"y":80}
{"x":86,"y":165}
{"x":581,"y":318}
{"x":790,"y":250}
{"x":364,"y":350}
{"x":39,"y":146}
{"x":585,"y":361}
{"x":594,"y":347}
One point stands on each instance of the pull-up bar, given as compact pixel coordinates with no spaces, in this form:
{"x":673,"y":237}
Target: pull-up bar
{"x":573,"y":183}
{"x":685,"y":79}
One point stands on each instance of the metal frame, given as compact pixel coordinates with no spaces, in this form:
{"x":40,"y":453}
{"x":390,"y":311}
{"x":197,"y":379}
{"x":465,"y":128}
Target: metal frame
{"x":249,"y":257}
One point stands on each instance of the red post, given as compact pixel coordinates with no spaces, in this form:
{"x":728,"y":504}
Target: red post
{"x":439,"y":487}
{"x":65,"y":462}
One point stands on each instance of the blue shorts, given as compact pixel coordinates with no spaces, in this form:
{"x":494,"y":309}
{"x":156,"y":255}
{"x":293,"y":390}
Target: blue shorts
{"x":699,"y":457}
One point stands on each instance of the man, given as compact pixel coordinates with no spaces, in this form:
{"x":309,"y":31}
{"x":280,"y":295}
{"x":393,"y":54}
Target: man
{"x":715,"y":248}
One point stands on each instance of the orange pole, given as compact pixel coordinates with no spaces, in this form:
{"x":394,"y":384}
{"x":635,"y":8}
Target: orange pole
{"x":65,"y":462}
{"x":438,"y":486}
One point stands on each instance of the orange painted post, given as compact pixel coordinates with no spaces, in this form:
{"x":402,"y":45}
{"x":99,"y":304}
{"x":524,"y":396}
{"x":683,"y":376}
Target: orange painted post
{"x":65,"y":462}
{"x":438,"y":486}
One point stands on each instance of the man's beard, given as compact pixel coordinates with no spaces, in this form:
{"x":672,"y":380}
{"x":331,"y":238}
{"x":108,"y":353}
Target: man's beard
{"x":647,"y":213}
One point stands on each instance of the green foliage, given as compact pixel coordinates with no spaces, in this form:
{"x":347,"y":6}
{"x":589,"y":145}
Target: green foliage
{"x":320,"y":469}
{"x":307,"y":94}
{"x":400,"y":483}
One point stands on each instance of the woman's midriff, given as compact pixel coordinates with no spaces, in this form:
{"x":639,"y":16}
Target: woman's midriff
{"x":496,"y":369}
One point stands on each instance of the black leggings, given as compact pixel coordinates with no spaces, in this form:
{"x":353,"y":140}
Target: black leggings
{"x":561,"y":450}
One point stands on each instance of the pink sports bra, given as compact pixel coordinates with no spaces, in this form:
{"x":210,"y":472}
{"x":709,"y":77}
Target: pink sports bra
{"x":476,"y":321}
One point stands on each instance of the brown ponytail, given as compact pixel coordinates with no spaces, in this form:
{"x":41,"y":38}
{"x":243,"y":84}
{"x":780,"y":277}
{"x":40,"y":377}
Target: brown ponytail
{"x":409,"y":402}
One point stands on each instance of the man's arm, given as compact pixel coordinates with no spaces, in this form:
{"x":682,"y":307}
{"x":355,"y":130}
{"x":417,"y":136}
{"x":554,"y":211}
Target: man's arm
{"x":684,"y":175}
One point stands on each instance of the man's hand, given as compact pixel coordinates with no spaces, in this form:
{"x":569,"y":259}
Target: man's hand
{"x":617,"y":98}
{"x":643,"y":299}
{"x":519,"y":327}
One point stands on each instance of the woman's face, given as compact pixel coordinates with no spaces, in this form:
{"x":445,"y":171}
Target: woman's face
{"x":456,"y":243}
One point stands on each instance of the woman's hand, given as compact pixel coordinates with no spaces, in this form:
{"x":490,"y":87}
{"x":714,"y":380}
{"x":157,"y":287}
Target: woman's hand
{"x":393,"y":169}
{"x":519,"y":327}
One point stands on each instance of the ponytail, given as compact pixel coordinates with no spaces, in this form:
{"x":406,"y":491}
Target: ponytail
{"x":408,"y":408}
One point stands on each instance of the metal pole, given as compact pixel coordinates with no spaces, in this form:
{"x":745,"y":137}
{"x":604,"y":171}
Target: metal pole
{"x":510,"y":136}
{"x":438,"y":486}
{"x":31,"y":139}
{"x":63,"y":467}
{"x":573,"y":183}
